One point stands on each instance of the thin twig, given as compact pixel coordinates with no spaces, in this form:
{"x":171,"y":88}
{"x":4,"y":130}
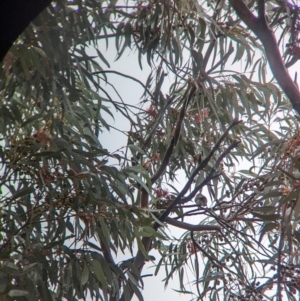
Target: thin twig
{"x":165,"y":161}
{"x":212,"y":171}
{"x":191,"y":227}
{"x":179,"y":198}
{"x":158,"y":120}
{"x":223,"y":60}
{"x":126,"y":76}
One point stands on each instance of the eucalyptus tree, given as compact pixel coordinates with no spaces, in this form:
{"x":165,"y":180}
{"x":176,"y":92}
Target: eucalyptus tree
{"x":68,"y":210}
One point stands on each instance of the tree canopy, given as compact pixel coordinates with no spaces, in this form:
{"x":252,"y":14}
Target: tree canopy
{"x":228,"y":127}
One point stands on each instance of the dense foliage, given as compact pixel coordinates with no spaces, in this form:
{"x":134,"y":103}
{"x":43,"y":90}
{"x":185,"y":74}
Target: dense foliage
{"x":69,"y":206}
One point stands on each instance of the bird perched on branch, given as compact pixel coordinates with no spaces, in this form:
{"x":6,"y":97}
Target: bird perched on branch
{"x":201,"y":200}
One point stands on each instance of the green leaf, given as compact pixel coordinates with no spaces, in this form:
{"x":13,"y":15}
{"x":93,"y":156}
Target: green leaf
{"x":191,"y":36}
{"x":297,"y":235}
{"x":136,"y":148}
{"x":127,"y":292}
{"x":267,"y":228}
{"x":17,"y":293}
{"x":23,"y":192}
{"x":151,"y":48}
{"x":99,"y":273}
{"x":297,"y":207}
{"x":176,"y":50}
{"x":142,"y":248}
{"x":139,"y":181}
{"x":102,"y":58}
{"x":269,"y":217}
{"x":84,"y":275}
{"x":29,"y":266}
{"x":264,"y":209}
{"x":104,"y":232}
{"x":201,"y":39}
{"x":137,"y":291}
{"x":3,"y":281}
{"x":128,"y":32}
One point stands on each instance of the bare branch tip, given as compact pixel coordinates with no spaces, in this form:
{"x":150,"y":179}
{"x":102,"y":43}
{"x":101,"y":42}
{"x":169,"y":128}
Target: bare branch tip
{"x":236,"y":122}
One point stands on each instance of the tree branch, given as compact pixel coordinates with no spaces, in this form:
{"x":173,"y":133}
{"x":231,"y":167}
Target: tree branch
{"x":191,"y":227}
{"x":146,"y":241}
{"x":261,"y":29}
{"x":187,"y":186}
{"x":175,"y":138}
{"x":261,"y":9}
{"x":212,"y":171}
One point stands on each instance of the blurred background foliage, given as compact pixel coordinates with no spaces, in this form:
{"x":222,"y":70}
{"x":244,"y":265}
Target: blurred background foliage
{"x":69,"y":206}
